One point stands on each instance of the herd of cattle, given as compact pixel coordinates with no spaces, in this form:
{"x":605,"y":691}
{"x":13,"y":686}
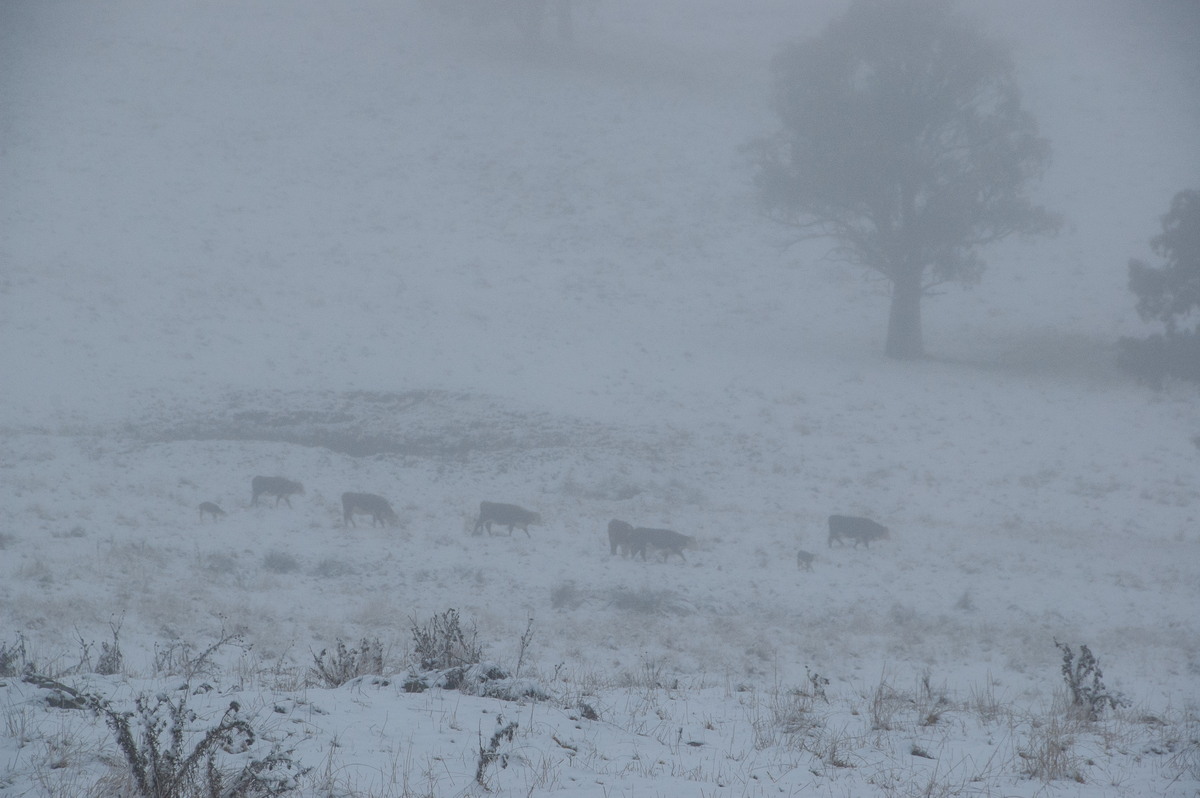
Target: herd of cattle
{"x":623,"y":538}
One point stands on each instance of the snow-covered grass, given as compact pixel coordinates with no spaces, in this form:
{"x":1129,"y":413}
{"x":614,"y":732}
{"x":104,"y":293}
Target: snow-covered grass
{"x":364,"y":247}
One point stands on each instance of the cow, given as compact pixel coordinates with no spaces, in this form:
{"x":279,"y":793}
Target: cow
{"x":509,"y":515}
{"x":860,"y":530}
{"x":368,"y":504}
{"x":278,"y":487}
{"x":664,"y":540}
{"x":620,"y":536}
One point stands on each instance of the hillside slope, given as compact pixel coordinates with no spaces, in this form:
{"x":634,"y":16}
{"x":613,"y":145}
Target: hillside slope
{"x":367,"y":247}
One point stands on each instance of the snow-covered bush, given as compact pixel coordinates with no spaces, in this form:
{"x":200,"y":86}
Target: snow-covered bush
{"x":165,"y":761}
{"x":333,"y":669}
{"x":1085,"y":683}
{"x":441,"y":642}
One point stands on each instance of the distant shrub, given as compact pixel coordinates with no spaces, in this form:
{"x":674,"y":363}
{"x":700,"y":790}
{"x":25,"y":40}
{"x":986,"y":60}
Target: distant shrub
{"x":111,"y":659}
{"x":566,"y":595}
{"x":330,"y":568}
{"x":280,"y":562}
{"x":1153,"y":359}
{"x":14,"y":659}
{"x":220,"y":562}
{"x":343,"y":664}
{"x":181,"y":658}
{"x":647,"y":601}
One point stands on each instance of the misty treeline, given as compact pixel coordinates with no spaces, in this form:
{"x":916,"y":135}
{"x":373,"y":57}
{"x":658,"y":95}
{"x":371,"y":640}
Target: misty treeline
{"x":1169,"y":294}
{"x":902,"y":140}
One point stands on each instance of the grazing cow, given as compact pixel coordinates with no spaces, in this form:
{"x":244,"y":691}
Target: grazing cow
{"x":509,"y":515}
{"x":212,"y":509}
{"x":804,"y":559}
{"x":278,"y":487}
{"x":664,"y":540}
{"x":368,"y":504}
{"x":620,"y":536}
{"x":860,"y":530}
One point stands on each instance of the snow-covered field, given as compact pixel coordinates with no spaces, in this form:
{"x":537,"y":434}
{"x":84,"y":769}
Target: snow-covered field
{"x":369,"y":248}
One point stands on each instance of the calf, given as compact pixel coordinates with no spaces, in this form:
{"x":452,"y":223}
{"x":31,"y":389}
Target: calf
{"x":509,"y":515}
{"x":860,"y":530}
{"x":278,"y":487}
{"x":212,"y":509}
{"x":368,"y":504}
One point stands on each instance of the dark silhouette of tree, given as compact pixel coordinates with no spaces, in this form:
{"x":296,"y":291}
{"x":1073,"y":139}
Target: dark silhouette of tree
{"x":904,"y":141}
{"x":1169,"y":294}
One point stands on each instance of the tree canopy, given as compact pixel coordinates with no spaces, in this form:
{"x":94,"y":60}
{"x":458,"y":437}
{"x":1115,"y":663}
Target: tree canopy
{"x":1169,"y":294}
{"x":904,"y":141}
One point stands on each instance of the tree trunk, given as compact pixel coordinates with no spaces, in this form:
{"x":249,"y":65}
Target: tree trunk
{"x":904,"y":323}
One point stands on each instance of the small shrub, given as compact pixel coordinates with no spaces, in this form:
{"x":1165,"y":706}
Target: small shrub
{"x":566,"y":595}
{"x":180,"y":658}
{"x":441,"y":642}
{"x":111,"y":659}
{"x":1185,"y":746}
{"x":651,"y":674}
{"x":1085,"y":682}
{"x":817,"y":684}
{"x":330,"y":568}
{"x":523,"y":647}
{"x":280,"y":562}
{"x":344,"y":664}
{"x":1049,"y":754}
{"x":790,"y":711}
{"x":885,"y":702}
{"x":931,"y":702}
{"x":220,"y":563}
{"x":153,"y":741}
{"x":14,"y":660}
{"x":491,"y":753}
{"x":984,"y":701}
{"x":1152,"y":360}
{"x":647,"y":601}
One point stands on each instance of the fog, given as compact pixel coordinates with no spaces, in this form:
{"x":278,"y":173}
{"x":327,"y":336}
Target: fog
{"x":387,"y":247}
{"x":171,"y":169}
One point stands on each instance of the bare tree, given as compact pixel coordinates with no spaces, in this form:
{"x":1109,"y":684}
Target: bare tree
{"x":904,"y":141}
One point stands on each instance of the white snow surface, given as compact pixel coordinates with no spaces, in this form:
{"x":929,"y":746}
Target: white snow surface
{"x":371,"y":248}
